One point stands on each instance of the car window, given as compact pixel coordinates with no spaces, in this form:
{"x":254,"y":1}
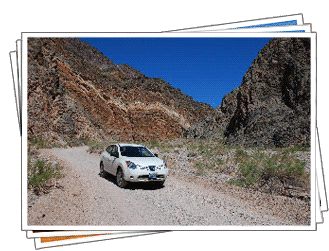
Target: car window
{"x":135,"y":151}
{"x":114,"y":151}
{"x":108,"y":149}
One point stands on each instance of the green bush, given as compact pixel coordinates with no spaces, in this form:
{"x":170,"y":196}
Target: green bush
{"x":96,"y":146}
{"x":191,"y":154}
{"x":296,"y":148}
{"x":236,"y":182}
{"x":204,"y":165}
{"x":202,"y":147}
{"x":240,"y":155}
{"x":260,"y":168}
{"x":40,"y":172}
{"x":38,"y":143}
{"x":219,"y":161}
{"x":250,"y":172}
{"x":191,"y":146}
{"x":200,"y":167}
{"x":153,"y":143}
{"x":40,"y":180}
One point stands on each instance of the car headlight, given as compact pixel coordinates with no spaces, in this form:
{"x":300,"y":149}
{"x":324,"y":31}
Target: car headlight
{"x":132,"y":165}
{"x":164,"y":166}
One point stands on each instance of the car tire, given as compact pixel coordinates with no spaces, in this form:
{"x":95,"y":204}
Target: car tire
{"x":160,"y":183}
{"x":120,"y":180}
{"x":102,"y":172}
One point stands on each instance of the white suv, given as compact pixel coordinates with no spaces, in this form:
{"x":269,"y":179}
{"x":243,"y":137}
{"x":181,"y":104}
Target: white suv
{"x":132,"y":163}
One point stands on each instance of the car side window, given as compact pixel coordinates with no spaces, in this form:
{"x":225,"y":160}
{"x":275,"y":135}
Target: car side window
{"x":123,"y":150}
{"x":114,"y":151}
{"x":108,"y":149}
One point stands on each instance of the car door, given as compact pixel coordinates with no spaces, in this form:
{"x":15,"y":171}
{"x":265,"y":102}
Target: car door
{"x":112,"y":158}
{"x":106,"y":158}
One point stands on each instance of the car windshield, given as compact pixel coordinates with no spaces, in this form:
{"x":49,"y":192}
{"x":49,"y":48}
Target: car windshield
{"x":135,"y":151}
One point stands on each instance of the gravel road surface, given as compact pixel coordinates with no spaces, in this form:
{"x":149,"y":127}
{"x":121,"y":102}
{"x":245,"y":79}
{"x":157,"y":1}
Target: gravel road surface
{"x":86,"y":198}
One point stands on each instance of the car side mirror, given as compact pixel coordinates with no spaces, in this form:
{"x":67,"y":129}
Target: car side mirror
{"x":156,"y":155}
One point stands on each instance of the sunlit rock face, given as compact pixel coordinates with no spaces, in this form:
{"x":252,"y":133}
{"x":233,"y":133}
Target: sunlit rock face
{"x":271,"y":107}
{"x":75,"y":93}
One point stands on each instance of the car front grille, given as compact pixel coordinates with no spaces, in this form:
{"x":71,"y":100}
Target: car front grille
{"x":142,"y":177}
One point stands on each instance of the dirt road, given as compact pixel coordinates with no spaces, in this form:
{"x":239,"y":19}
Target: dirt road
{"x":86,"y":198}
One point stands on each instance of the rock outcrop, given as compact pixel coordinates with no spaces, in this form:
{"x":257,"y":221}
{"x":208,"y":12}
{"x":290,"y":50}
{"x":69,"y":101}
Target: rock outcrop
{"x":271,"y":107}
{"x":75,"y":93}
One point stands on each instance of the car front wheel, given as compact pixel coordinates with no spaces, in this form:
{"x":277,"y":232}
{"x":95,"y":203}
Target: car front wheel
{"x":101,"y":170}
{"x":120,"y":181}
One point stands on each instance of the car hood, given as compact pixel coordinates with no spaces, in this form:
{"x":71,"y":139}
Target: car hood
{"x":145,"y":161}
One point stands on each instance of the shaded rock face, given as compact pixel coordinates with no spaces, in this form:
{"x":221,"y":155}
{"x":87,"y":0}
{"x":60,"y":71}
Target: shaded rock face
{"x":271,"y":107}
{"x":75,"y":93}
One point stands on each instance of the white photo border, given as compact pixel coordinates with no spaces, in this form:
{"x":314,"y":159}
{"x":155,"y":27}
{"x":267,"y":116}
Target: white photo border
{"x":277,"y":21}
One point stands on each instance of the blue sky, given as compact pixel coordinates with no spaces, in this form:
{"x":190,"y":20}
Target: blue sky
{"x":284,"y":23}
{"x":204,"y":68}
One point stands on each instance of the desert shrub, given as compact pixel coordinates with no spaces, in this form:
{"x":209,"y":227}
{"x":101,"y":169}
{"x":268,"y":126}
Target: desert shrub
{"x":153,"y":143}
{"x":236,"y":182}
{"x":260,"y":167}
{"x":296,"y":148}
{"x":284,"y":167}
{"x":39,"y":143}
{"x":209,"y":165}
{"x":202,"y":147}
{"x":220,"y":161}
{"x":200,"y":167}
{"x":84,"y":141}
{"x":98,"y":146}
{"x":191,"y":154}
{"x":192,"y":146}
{"x":240,"y":155}
{"x":40,"y":172}
{"x":250,"y":172}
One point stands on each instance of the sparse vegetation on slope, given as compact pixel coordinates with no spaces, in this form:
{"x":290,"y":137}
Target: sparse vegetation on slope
{"x":277,"y":170}
{"x":42,"y":174}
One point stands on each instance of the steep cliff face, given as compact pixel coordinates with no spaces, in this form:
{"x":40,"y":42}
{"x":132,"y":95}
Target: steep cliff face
{"x":272,"y":105}
{"x":76,"y":93}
